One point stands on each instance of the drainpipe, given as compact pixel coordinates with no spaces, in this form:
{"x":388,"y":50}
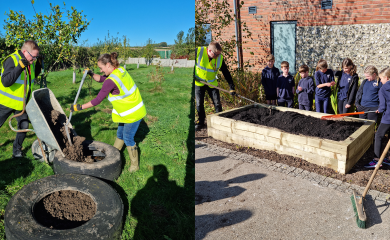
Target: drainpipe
{"x":237,"y":49}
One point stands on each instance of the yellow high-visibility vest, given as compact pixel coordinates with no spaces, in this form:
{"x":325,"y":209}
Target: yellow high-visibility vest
{"x":128,"y":106}
{"x":206,"y":70}
{"x":12,"y":96}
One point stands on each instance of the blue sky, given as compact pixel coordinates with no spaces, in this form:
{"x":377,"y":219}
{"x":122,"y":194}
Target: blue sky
{"x":138,"y":20}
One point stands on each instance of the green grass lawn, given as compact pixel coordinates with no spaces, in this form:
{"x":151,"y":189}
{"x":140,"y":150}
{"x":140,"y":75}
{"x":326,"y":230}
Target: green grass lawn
{"x":159,"y":198}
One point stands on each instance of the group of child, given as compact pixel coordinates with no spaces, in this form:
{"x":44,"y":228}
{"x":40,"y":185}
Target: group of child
{"x":372,"y":97}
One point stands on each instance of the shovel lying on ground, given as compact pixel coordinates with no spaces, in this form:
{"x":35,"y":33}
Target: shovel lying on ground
{"x":75,"y":101}
{"x":336,"y":116}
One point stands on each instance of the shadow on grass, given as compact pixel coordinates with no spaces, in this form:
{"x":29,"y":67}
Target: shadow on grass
{"x":14,"y":168}
{"x":163,"y":209}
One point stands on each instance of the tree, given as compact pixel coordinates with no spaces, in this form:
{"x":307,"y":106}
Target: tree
{"x":148,"y":51}
{"x":184,"y":47}
{"x":163,"y":44}
{"x":53,"y":35}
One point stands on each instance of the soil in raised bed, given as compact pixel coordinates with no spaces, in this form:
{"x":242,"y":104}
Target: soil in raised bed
{"x":358,"y":175}
{"x":79,"y":150}
{"x":64,"y":209}
{"x":297,"y":123}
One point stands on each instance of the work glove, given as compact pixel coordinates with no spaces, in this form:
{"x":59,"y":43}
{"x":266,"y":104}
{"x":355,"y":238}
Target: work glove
{"x":23,"y":62}
{"x":75,"y":108}
{"x":232,"y":92}
{"x":89,"y":72}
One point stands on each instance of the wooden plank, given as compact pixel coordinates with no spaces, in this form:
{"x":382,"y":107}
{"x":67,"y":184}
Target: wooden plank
{"x":244,"y":133}
{"x":226,"y":122}
{"x":219,"y":135}
{"x":273,"y":140}
{"x":291,"y":144}
{"x":314,"y":142}
{"x":294,"y":138}
{"x":222,"y":128}
{"x":325,"y":153}
{"x":249,"y":127}
{"x":263,"y":145}
{"x":334,"y":146}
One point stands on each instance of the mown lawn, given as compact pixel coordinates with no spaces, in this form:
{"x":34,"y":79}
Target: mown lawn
{"x":159,"y":198}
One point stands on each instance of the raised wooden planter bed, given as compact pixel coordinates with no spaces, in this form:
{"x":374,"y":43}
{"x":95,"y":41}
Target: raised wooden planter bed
{"x":338,"y":155}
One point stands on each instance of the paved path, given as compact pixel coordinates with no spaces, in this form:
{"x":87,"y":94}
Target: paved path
{"x":238,"y":196}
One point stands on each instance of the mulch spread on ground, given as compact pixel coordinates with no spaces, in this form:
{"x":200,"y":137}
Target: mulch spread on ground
{"x":56,"y":120}
{"x":357,"y":175}
{"x":65,"y":209}
{"x":297,"y":123}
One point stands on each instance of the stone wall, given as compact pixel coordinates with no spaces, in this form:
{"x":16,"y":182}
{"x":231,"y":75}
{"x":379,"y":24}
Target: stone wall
{"x":365,"y":44}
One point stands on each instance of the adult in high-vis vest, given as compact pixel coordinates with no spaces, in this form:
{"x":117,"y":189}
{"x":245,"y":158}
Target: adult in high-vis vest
{"x":12,"y":88}
{"x":124,"y":95}
{"x":208,"y":61}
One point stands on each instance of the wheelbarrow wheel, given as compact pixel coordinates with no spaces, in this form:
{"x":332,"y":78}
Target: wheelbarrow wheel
{"x":21,"y":223}
{"x":37,"y":152}
{"x":109,"y":168}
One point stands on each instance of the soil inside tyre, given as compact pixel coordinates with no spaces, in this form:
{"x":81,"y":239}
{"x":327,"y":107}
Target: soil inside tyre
{"x":79,"y":150}
{"x":64,"y":209}
{"x":297,"y":123}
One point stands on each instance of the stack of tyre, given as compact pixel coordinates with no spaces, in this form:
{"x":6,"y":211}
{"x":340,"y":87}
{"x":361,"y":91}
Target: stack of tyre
{"x":90,"y":179}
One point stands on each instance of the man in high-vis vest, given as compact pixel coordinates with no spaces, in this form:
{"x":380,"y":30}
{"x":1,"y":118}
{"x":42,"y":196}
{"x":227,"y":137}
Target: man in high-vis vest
{"x":12,"y":88}
{"x":208,"y":61}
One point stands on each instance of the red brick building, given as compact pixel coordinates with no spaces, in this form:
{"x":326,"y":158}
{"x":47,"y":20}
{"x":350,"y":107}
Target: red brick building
{"x":302,"y":32}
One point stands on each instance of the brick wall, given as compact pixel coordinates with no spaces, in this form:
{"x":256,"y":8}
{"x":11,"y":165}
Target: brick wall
{"x":306,"y":13}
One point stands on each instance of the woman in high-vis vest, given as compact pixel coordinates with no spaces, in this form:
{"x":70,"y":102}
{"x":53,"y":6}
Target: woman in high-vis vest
{"x":208,"y":61}
{"x":128,"y":107}
{"x":12,"y":88}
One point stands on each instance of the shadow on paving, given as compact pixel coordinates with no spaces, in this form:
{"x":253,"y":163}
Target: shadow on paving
{"x":210,"y":222}
{"x":372,"y":212}
{"x":217,"y":190}
{"x":209,"y":159}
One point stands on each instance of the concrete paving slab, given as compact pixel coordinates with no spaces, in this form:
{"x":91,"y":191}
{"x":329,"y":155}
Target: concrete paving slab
{"x":236,"y":199}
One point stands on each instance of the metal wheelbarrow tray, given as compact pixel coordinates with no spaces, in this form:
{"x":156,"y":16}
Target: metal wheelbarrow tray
{"x":44,"y":99}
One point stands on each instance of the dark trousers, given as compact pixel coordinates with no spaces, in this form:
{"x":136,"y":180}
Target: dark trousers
{"x":22,"y":120}
{"x":199,"y":95}
{"x":370,"y":116}
{"x":341,"y":106}
{"x":284,"y":102}
{"x":306,"y":107}
{"x":322,"y":102}
{"x":380,"y":133}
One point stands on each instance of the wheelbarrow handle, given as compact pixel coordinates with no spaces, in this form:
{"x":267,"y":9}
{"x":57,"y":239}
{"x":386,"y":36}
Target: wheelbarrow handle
{"x":78,"y":93}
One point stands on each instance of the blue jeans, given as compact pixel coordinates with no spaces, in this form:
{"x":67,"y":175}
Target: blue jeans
{"x":126,"y":132}
{"x":322,"y":102}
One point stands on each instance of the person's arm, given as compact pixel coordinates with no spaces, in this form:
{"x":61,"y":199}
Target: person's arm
{"x":382,"y":102}
{"x":226,"y":74}
{"x":11,"y":73}
{"x":107,"y":87}
{"x":311,"y":88}
{"x":299,"y":86}
{"x":352,"y":92}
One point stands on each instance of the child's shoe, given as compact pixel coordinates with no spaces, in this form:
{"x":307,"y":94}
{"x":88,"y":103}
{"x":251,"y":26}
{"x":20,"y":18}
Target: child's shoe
{"x":372,"y":164}
{"x":386,"y":161}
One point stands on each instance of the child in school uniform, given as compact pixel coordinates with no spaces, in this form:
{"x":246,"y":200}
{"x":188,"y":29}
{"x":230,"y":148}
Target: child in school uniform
{"x":347,"y":86}
{"x":367,"y":97}
{"x":305,"y":89}
{"x":384,"y":107}
{"x":269,"y":77}
{"x":325,"y":80}
{"x":285,"y":87}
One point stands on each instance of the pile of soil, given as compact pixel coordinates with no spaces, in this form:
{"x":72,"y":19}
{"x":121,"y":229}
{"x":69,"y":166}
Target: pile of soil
{"x":56,"y":120}
{"x":357,"y":175}
{"x":297,"y":123}
{"x":65,"y":209}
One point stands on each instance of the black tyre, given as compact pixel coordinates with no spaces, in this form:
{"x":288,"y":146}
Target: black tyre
{"x":109,"y":168}
{"x":20,"y":223}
